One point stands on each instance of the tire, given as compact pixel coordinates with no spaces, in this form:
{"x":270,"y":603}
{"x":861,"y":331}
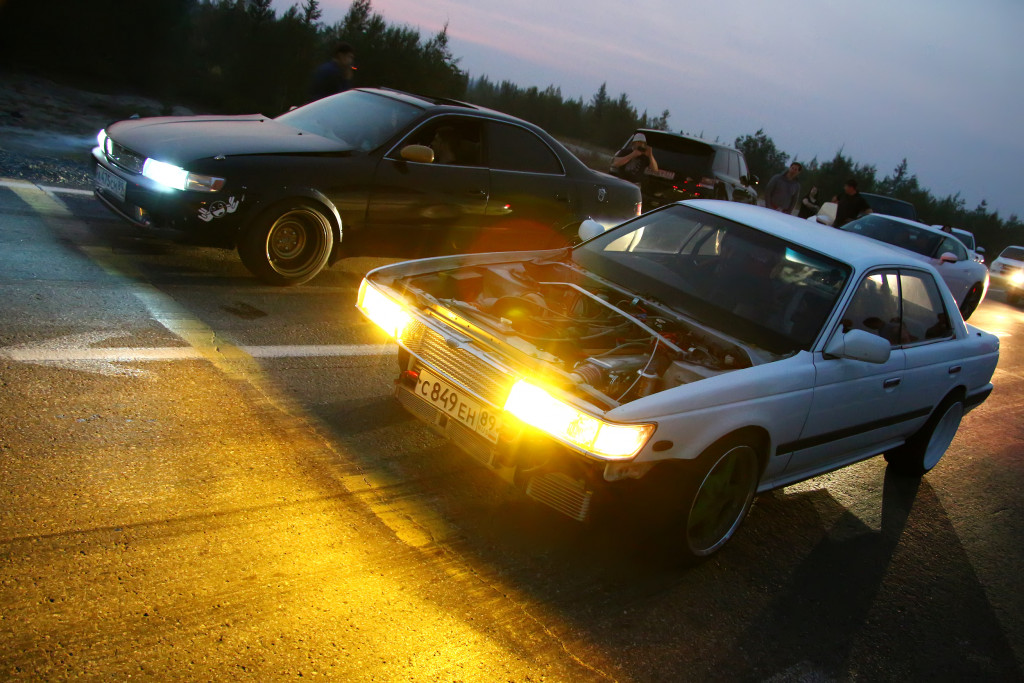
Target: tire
{"x":923,"y":450}
{"x":718,"y":499}
{"x":289,"y":244}
{"x":971,"y":301}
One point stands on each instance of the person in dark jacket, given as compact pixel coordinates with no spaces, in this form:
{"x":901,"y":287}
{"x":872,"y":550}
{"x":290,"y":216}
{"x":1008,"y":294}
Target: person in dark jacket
{"x":783,"y":189}
{"x":850,"y":205}
{"x":334,"y":75}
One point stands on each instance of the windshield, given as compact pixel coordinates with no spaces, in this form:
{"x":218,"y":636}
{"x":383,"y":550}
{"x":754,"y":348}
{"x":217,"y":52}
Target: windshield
{"x":918,"y":240}
{"x":752,"y":285}
{"x":966,"y":237}
{"x":1015,"y":253}
{"x":360,"y":119}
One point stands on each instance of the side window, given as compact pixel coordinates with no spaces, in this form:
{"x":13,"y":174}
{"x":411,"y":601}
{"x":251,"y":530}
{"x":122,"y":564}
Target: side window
{"x":875,"y":307}
{"x":721,"y":163}
{"x":743,"y":165}
{"x":955,"y":246}
{"x":924,"y":315}
{"x":511,"y":148}
{"x":456,"y":140}
{"x":734,"y":164}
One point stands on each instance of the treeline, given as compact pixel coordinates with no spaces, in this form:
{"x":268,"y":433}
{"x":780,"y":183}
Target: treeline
{"x":240,"y":56}
{"x":991,"y":231}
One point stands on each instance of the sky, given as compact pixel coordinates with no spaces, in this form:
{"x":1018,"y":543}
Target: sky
{"x":938,"y":82}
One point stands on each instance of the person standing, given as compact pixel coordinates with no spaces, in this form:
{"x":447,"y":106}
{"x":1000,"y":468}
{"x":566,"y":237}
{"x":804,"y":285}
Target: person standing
{"x":850,"y":205}
{"x":783,"y":189}
{"x":809,"y":204}
{"x":334,"y":75}
{"x":633,"y":160}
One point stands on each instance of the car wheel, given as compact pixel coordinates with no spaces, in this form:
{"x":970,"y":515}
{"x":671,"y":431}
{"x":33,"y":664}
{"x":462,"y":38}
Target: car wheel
{"x":720,"y":496}
{"x":923,"y":450}
{"x":971,"y":301}
{"x":288,"y":244}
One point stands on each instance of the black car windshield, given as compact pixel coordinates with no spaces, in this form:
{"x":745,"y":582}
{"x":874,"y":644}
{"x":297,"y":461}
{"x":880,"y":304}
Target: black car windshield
{"x":750,"y":284}
{"x":361,"y":119}
{"x":897,"y":233}
{"x":890,"y":206}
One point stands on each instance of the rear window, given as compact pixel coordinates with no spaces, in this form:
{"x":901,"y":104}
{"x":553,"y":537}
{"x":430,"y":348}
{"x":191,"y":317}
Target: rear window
{"x":918,"y":240}
{"x":681,"y":155}
{"x":1015,"y":253}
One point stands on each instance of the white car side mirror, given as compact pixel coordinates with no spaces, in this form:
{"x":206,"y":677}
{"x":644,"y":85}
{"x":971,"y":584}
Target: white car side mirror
{"x":859,"y":345}
{"x":948,"y":257}
{"x":590,"y":229}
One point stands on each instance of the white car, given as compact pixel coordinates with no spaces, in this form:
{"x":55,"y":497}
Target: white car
{"x":682,"y":362}
{"x":965,"y":277}
{"x":977,"y":253}
{"x":1008,"y":273}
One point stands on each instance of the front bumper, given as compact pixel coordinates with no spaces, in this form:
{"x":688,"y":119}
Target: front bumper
{"x":211,"y":219}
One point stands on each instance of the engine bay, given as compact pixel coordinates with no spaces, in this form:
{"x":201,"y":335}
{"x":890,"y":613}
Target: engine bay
{"x":603,"y":341}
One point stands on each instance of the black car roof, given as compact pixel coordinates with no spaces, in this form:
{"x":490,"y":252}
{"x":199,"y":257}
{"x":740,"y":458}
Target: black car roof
{"x":445,"y":104}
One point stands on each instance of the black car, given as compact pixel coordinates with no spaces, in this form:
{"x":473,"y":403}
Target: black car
{"x":691,"y":168}
{"x":366,"y":172}
{"x":890,"y":206}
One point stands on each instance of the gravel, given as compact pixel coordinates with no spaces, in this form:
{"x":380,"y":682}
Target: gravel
{"x":47,"y":128}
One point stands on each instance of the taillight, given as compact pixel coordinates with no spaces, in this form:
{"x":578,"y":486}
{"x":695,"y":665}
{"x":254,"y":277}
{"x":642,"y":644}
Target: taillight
{"x":639,"y":207}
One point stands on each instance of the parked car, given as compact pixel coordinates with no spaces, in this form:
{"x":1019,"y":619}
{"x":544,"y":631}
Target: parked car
{"x":967,"y":279}
{"x":691,"y":168}
{"x":365,"y":172}
{"x":889,"y":206}
{"x":976,"y":252}
{"x":1008,"y":273}
{"x":683,"y":362}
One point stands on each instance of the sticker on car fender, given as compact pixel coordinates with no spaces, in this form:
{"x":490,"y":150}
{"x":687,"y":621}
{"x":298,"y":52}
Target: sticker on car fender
{"x":219,"y":209}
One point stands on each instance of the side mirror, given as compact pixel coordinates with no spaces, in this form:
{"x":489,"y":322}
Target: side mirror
{"x":590,"y":229}
{"x":948,"y":257}
{"x":421,"y":154}
{"x":980,"y":250}
{"x":859,"y":345}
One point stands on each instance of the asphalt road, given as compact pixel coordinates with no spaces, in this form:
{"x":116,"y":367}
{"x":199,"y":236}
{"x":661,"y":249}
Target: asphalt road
{"x":205,"y":478}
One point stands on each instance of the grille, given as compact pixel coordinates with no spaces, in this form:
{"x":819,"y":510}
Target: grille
{"x":459,"y":364}
{"x":123,"y":157}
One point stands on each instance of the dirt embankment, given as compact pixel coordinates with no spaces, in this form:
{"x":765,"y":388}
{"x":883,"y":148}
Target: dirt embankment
{"x":47,"y":128}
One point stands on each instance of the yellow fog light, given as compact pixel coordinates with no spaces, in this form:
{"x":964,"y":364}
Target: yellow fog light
{"x":537,"y":408}
{"x":390,"y":315}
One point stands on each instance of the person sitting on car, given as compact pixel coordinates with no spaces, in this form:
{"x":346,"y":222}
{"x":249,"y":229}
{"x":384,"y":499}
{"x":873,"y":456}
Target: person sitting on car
{"x":635,"y":159}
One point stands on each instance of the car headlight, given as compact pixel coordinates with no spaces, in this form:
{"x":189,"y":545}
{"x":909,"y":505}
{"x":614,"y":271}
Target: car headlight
{"x":537,"y":408}
{"x":103,"y":141}
{"x":1017,"y":277}
{"x":178,"y":178}
{"x":389,"y":314}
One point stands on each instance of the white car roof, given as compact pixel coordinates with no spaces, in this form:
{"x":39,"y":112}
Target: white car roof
{"x":858,"y":251}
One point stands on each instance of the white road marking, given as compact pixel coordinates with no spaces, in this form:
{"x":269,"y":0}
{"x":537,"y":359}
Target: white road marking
{"x":49,"y":189}
{"x":41,"y":354}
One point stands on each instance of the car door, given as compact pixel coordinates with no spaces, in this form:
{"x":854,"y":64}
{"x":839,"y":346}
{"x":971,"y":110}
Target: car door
{"x":959,"y":276}
{"x":934,"y":359}
{"x":423,"y":209}
{"x":855,"y":404}
{"x":533,"y":202}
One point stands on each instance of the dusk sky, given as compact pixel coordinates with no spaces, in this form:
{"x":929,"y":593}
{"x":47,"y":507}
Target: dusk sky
{"x":936,"y":81}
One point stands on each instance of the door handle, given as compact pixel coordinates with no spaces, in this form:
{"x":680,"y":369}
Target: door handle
{"x":955,"y":369}
{"x":891,"y":382}
{"x":478,"y":193}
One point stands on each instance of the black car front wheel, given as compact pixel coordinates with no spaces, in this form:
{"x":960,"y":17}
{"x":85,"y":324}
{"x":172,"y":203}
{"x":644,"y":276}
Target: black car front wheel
{"x":288,"y":244}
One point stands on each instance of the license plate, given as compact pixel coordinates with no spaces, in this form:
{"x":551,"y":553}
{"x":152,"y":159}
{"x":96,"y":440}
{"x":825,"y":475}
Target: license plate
{"x":457,"y":405}
{"x":105,"y":180}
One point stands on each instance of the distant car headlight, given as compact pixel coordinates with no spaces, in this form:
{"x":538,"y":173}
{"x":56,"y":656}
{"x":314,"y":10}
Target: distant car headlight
{"x":1017,"y":277}
{"x":389,"y":314}
{"x":178,"y":178}
{"x":537,"y":408}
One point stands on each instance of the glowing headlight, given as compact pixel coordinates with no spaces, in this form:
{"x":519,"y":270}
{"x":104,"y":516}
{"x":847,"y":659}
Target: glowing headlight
{"x":103,"y":141}
{"x":178,"y":178}
{"x":390,"y":315}
{"x":538,"y":408}
{"x":1017,"y":277}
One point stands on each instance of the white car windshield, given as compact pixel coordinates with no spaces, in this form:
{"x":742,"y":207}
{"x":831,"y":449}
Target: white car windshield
{"x":750,"y":284}
{"x":361,"y":119}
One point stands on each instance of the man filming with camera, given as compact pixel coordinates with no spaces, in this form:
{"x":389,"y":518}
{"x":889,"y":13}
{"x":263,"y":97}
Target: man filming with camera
{"x":633,"y":160}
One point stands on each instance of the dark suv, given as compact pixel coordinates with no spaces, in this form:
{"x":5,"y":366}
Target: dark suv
{"x":690,"y":168}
